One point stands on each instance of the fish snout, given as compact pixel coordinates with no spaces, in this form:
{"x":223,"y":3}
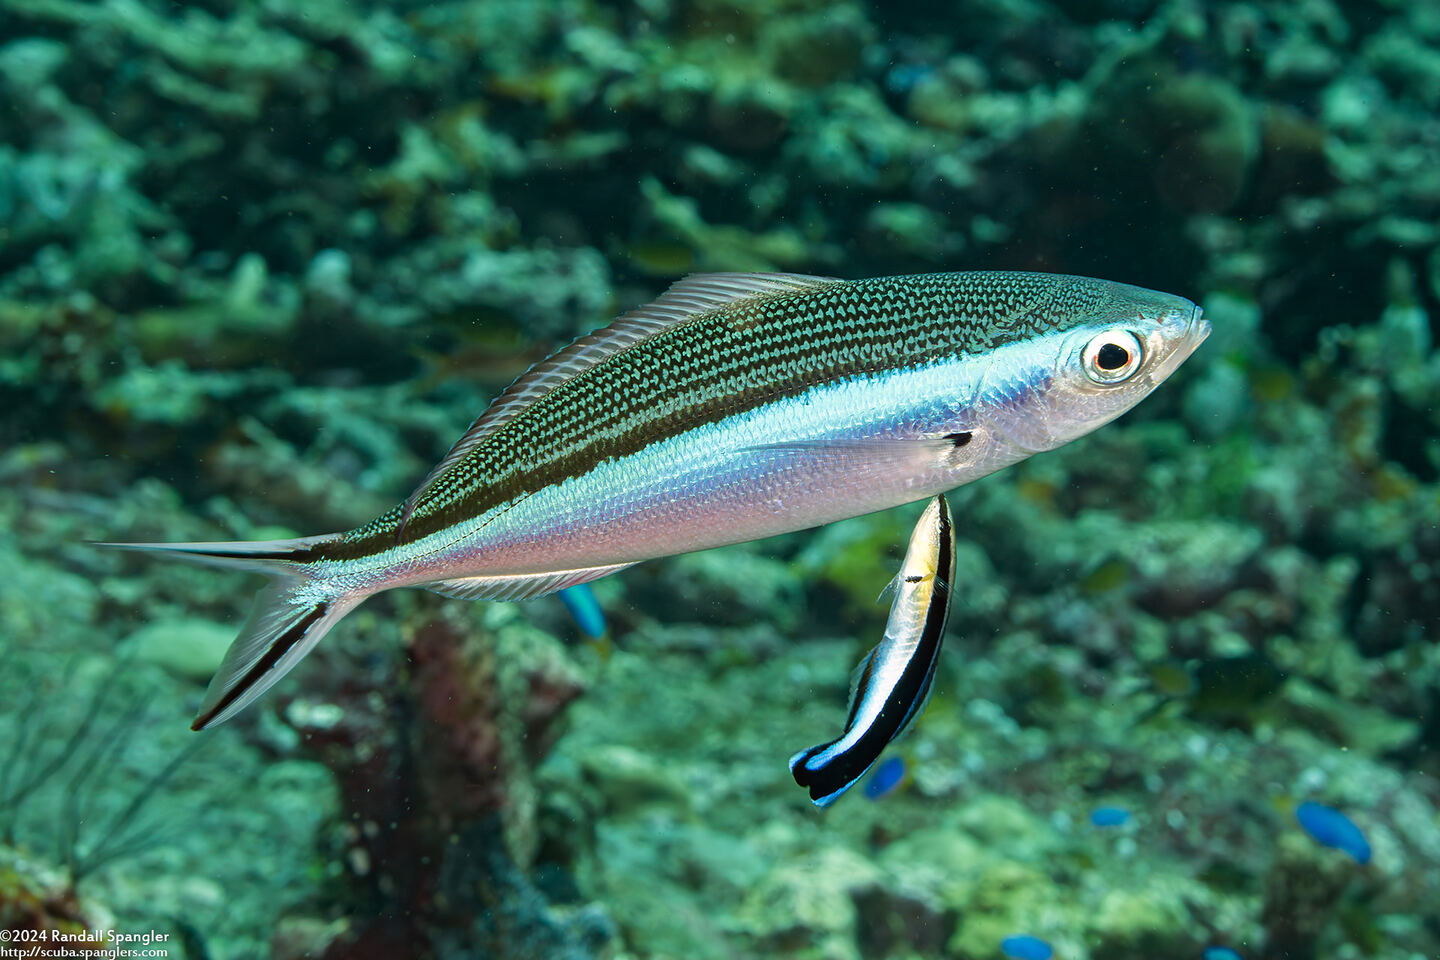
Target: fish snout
{"x":1199,"y":327}
{"x":1179,"y":333}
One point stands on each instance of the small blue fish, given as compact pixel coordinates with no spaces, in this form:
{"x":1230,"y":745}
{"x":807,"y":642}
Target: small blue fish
{"x":886,"y":778}
{"x":903,"y":77}
{"x":580,"y":601}
{"x":892,"y":684}
{"x":1109,"y":816}
{"x":1220,"y":953}
{"x":1025,"y":947}
{"x":1331,"y":828}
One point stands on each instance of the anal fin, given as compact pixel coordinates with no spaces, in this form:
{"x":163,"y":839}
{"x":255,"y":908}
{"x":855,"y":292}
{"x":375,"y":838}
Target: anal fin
{"x":520,"y":587}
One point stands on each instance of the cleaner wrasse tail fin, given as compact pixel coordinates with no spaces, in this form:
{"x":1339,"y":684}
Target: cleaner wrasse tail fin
{"x":291,"y":614}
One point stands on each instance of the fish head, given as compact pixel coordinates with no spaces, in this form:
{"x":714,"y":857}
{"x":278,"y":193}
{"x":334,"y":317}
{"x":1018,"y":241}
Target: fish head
{"x":931,"y":531}
{"x":1091,"y":367}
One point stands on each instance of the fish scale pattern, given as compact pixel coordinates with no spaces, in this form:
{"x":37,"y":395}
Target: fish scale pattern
{"x":733,"y":359}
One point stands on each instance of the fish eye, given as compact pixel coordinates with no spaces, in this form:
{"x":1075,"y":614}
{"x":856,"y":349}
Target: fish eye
{"x":1111,"y":357}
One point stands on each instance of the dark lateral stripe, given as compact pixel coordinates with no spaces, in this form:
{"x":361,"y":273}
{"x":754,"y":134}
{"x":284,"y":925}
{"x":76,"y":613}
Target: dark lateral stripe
{"x":298,"y":556}
{"x":589,"y":436}
{"x":938,"y":616}
{"x":264,"y":665}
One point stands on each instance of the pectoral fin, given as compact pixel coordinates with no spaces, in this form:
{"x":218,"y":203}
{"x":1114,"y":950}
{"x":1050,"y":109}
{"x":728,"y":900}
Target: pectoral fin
{"x":881,"y":457}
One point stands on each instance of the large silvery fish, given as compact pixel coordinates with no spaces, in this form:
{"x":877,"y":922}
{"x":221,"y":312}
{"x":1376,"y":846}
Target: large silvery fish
{"x":734,"y":407}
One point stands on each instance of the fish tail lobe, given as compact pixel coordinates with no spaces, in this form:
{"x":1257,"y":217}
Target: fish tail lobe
{"x":291,"y":614}
{"x":827,"y":770}
{"x":259,"y":556}
{"x":289,"y":617}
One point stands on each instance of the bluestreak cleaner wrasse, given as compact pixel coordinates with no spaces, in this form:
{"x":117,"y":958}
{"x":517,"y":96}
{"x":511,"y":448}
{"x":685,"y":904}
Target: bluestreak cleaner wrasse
{"x":892,"y":683}
{"x":734,"y":407}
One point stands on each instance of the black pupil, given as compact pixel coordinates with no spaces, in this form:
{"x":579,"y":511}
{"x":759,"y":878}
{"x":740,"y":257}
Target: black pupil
{"x":1112,"y":356}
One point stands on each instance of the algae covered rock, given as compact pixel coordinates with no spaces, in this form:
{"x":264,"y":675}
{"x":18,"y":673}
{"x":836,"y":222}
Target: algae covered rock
{"x":36,"y":899}
{"x":999,"y":900}
{"x":1144,"y":922}
{"x":807,"y":907}
{"x":188,"y":648}
{"x":628,"y":780}
{"x":1303,"y":891}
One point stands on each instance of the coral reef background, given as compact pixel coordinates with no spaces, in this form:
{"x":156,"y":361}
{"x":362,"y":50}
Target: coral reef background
{"x":261,"y":261}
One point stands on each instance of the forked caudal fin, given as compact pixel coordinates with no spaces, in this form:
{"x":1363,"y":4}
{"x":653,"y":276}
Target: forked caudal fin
{"x":290,"y":616}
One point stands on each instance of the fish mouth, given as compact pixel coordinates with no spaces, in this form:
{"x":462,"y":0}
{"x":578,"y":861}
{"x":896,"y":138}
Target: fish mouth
{"x":1198,"y":328}
{"x":1180,"y":336}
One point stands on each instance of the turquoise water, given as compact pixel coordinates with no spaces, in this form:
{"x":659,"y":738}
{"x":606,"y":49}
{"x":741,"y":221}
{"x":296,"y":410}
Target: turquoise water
{"x":262,"y":262}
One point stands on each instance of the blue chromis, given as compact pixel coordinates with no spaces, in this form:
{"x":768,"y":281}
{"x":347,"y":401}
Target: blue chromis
{"x":1220,"y":953}
{"x":1109,"y":816}
{"x":1022,"y":946}
{"x":734,"y":407}
{"x":886,"y":779}
{"x":585,"y":609}
{"x":893,"y":681}
{"x":1331,"y":828}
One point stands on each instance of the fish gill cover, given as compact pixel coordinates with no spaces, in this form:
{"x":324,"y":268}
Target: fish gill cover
{"x":261,"y":263}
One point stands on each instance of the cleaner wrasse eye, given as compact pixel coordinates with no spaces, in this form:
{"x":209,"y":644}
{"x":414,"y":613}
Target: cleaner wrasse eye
{"x":892,"y":684}
{"x":734,"y":407}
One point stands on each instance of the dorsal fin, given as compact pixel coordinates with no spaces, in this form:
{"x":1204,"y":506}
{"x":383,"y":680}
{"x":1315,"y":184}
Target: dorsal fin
{"x":859,"y":680}
{"x":692,"y":297}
